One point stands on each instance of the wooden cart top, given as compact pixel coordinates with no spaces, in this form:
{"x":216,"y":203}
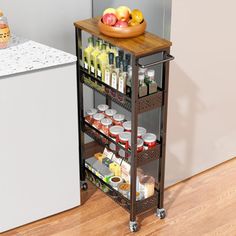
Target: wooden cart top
{"x":140,"y":46}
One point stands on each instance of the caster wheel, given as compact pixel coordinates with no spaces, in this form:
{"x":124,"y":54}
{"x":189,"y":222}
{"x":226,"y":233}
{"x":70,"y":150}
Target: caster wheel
{"x":161,"y":213}
{"x":84,"y":186}
{"x":133,"y":226}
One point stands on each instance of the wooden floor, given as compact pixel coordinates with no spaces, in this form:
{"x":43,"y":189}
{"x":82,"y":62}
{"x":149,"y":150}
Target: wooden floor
{"x":202,"y":205}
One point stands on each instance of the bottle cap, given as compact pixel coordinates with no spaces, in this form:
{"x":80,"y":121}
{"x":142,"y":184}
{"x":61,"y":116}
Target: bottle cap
{"x":110,"y":112}
{"x":151,"y":73}
{"x":125,"y":136}
{"x":149,"y":137}
{"x":116,"y":130}
{"x":103,"y":107}
{"x":118,"y":61}
{"x":92,"y":112}
{"x":106,"y":121}
{"x":121,"y":54}
{"x":127,"y":125}
{"x":104,"y":46}
{"x":119,"y":117}
{"x":111,"y":58}
{"x":141,"y":131}
{"x":98,"y":116}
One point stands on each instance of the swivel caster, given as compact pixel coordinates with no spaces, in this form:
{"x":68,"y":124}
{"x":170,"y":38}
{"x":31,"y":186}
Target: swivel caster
{"x":161,"y":213}
{"x":133,"y":226}
{"x":84,"y":186}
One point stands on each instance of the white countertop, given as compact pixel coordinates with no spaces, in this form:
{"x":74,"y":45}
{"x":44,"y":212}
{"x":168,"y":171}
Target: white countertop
{"x":25,"y":55}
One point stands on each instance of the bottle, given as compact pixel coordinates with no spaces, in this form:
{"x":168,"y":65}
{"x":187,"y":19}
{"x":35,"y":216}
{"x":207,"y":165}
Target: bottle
{"x":93,"y":59}
{"x":87,"y":54}
{"x":123,"y":78}
{"x":129,"y":78}
{"x":150,"y":81}
{"x":4,"y":31}
{"x":121,"y":54}
{"x":115,"y":73}
{"x":114,"y":50}
{"x":109,"y":68}
{"x":143,"y":90}
{"x":102,"y":61}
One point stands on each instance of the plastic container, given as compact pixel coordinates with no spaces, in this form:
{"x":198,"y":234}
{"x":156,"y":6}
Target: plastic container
{"x":4,"y":31}
{"x":141,"y":131}
{"x":102,"y":108}
{"x":114,"y":132}
{"x":127,"y":126}
{"x":147,"y":185}
{"x":109,"y":113}
{"x":118,"y":119}
{"x":140,"y":145}
{"x":97,"y":120}
{"x":106,"y":124}
{"x":89,"y":115}
{"x":149,"y":141}
{"x":124,"y":138}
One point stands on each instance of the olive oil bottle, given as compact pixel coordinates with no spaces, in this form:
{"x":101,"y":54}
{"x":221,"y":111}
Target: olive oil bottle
{"x":87,"y":55}
{"x":109,"y":69}
{"x":93,"y":59}
{"x":102,"y":61}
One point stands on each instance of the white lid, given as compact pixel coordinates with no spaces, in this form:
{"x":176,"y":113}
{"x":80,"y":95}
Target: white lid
{"x":91,"y":112}
{"x":125,"y":136}
{"x":119,"y":117}
{"x":139,"y":142}
{"x":98,"y":116}
{"x":141,"y":131}
{"x":127,"y":125}
{"x":106,"y":121}
{"x":117,"y":129}
{"x":103,"y":107}
{"x":141,"y":77}
{"x":151,"y":73}
{"x":149,"y":138}
{"x":111,"y":112}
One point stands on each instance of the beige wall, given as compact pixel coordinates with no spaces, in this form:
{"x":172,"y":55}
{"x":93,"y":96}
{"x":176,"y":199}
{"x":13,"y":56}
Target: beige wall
{"x":202,"y":102}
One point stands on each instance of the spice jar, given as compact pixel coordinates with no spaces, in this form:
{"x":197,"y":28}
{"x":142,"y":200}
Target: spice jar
{"x":97,"y":120}
{"x":139,"y":145}
{"x":127,"y":126}
{"x":141,"y":131}
{"x":109,"y":113}
{"x":102,"y":108}
{"x":147,"y":185}
{"x":4,"y":31}
{"x":106,"y":124}
{"x":118,"y":119}
{"x":114,"y":132}
{"x":124,"y":138}
{"x":90,"y":113}
{"x":149,"y":141}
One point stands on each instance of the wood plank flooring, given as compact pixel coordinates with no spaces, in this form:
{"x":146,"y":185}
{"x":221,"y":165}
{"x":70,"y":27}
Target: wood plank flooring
{"x":203,"y":205}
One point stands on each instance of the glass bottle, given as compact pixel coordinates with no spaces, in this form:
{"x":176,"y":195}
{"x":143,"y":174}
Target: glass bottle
{"x":102,"y":61}
{"x":87,"y":54}
{"x":129,"y":78}
{"x":151,"y":83}
{"x":123,"y":78}
{"x":121,"y":54}
{"x":109,"y":68}
{"x":115,"y":73}
{"x":93,"y":59}
{"x":4,"y":31}
{"x":143,"y":90}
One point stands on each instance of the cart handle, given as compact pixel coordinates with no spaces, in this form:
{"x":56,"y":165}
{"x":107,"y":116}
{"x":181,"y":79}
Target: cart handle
{"x":168,"y":57}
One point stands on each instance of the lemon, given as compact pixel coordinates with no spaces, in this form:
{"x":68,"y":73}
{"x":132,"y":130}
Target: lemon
{"x":137,"y":16}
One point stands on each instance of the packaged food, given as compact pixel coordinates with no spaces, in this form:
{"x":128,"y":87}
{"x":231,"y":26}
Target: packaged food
{"x":118,"y":119}
{"x":99,"y":156}
{"x":106,"y":124}
{"x":102,"y":108}
{"x":147,"y":185}
{"x":139,"y":145}
{"x":127,"y":126}
{"x":114,"y":132}
{"x":124,"y":138}
{"x":109,"y":113}
{"x":124,"y":189}
{"x":97,"y":120}
{"x":115,"y":169}
{"x":141,"y":131}
{"x":89,"y":115}
{"x":143,"y":90}
{"x":115,"y":181}
{"x":149,"y":141}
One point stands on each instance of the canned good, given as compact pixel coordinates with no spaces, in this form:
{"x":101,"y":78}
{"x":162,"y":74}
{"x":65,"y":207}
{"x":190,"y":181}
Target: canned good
{"x":114,"y":132}
{"x":97,"y":120}
{"x":149,"y":141}
{"x":141,"y":131}
{"x":124,"y":138}
{"x":127,"y":126}
{"x":106,"y":124}
{"x":89,"y":115}
{"x":102,"y":108}
{"x":118,"y":119}
{"x":109,"y":113}
{"x":140,"y":144}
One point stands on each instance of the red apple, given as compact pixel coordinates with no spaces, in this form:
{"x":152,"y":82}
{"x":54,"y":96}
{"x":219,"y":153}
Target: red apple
{"x":123,"y":13}
{"x":109,"y":10}
{"x":121,"y":24}
{"x":109,"y":19}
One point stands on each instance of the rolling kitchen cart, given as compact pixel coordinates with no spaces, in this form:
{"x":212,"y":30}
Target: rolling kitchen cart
{"x":139,"y":47}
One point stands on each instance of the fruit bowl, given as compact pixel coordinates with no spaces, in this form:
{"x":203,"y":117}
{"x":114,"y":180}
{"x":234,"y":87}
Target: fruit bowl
{"x":122,"y":32}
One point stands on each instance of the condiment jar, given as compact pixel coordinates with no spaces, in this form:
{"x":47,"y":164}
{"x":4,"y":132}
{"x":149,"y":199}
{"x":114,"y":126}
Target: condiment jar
{"x":118,"y":119}
{"x":106,"y":124}
{"x":141,"y":131}
{"x":109,"y":113}
{"x":149,"y":141}
{"x":90,"y":113}
{"x":127,"y":126}
{"x":97,"y":120}
{"x":102,"y":108}
{"x":140,"y":144}
{"x":4,"y":31}
{"x":114,"y":132}
{"x":124,"y":138}
{"x":147,"y":185}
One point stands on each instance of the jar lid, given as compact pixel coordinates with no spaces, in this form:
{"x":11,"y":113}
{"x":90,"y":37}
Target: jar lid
{"x":139,"y":142}
{"x":127,"y":125}
{"x":110,"y":112}
{"x":141,"y":131}
{"x":117,"y":129}
{"x":91,"y":112}
{"x":98,"y":116}
{"x":149,"y":138}
{"x":106,"y":121}
{"x":151,"y":73}
{"x":103,"y":107}
{"x":125,"y":136}
{"x":119,"y":117}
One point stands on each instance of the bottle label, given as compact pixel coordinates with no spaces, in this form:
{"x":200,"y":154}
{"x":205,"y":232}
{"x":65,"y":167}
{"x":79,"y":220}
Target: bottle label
{"x":99,"y":73}
{"x":114,"y":80}
{"x":92,"y":69}
{"x":4,"y":34}
{"x":85,"y":65}
{"x":107,"y":77}
{"x":121,"y":86}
